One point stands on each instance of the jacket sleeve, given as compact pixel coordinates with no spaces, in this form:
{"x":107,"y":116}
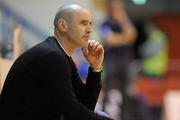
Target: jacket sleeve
{"x":57,"y":75}
{"x":90,"y":91}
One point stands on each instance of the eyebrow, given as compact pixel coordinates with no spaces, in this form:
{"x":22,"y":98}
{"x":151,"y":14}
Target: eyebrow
{"x":85,"y":20}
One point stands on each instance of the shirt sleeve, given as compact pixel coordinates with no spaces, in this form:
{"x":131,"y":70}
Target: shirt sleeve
{"x":58,"y":78}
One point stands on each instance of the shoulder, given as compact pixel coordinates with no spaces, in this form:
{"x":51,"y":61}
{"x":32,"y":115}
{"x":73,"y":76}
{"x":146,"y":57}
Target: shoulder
{"x":44,"y":47}
{"x":47,"y":46}
{"x":47,"y":49}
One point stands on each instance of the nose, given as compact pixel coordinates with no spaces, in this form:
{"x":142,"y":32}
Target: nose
{"x":89,"y":29}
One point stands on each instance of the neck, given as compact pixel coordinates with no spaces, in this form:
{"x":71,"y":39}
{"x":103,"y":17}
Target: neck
{"x":66,"y":44}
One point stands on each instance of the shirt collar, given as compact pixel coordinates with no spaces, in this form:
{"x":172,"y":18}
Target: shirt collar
{"x":62,"y":46}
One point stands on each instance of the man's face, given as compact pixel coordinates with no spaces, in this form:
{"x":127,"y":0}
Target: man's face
{"x":78,"y":31}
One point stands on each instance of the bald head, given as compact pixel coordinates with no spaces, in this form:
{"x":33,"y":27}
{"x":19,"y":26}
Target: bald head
{"x":73,"y":25}
{"x":65,"y":12}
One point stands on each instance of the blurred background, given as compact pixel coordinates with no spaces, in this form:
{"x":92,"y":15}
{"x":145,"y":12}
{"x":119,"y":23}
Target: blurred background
{"x":141,"y":38}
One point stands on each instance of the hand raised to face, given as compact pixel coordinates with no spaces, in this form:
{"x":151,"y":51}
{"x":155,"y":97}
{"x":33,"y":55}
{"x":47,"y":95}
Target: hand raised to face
{"x":94,"y":54}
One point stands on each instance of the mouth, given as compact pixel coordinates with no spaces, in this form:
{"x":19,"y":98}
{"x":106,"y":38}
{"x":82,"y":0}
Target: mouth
{"x":86,"y":37}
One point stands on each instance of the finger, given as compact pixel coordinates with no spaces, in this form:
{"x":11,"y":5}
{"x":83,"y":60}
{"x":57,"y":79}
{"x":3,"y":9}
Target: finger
{"x":96,"y":44}
{"x":99,"y":47}
{"x":91,"y":43}
{"x":85,"y":51}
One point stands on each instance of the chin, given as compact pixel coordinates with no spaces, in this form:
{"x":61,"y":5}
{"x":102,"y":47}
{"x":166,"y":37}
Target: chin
{"x":84,"y":44}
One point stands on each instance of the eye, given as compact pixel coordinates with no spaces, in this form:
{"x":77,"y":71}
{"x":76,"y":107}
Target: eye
{"x":85,"y":22}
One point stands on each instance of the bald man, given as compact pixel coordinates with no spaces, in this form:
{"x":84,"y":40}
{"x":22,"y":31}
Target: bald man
{"x":43,"y":83}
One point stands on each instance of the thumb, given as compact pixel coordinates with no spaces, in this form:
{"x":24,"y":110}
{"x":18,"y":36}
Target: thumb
{"x":84,"y":51}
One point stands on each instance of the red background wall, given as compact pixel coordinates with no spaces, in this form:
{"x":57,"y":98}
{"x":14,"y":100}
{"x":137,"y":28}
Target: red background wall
{"x":171,"y":24}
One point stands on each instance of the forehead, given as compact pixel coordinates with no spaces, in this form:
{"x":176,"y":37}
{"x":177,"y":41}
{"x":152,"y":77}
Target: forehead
{"x":82,"y":14}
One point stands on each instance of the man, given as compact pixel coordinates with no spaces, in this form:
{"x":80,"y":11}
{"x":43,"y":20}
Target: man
{"x":118,"y":34}
{"x":43,"y":83}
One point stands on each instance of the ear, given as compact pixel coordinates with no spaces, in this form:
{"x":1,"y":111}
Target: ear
{"x":62,"y":26}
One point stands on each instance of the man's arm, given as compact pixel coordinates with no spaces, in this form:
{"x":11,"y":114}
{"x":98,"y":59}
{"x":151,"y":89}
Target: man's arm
{"x":94,"y":54}
{"x":58,"y":78}
{"x":89,"y":92}
{"x":126,"y":37}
